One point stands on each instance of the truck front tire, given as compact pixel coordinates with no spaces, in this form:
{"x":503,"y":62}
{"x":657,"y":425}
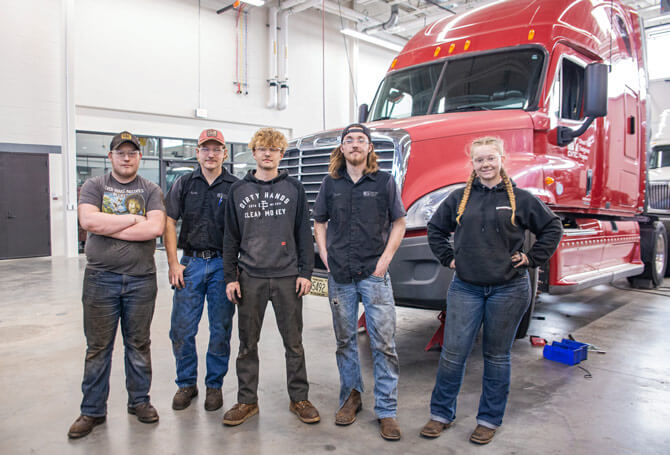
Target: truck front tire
{"x":654,"y":250}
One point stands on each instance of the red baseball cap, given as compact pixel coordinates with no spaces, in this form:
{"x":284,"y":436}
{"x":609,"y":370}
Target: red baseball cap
{"x":211,"y":135}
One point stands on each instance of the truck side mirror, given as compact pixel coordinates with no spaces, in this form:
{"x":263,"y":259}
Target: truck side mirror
{"x":595,"y":90}
{"x":362,"y":113}
{"x":594,"y":103}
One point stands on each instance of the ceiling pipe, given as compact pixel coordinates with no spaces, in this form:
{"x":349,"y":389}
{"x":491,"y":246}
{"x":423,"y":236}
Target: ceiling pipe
{"x":272,"y":58}
{"x":390,"y":23}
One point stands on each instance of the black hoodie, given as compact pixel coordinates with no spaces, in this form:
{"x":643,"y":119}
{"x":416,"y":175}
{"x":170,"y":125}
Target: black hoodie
{"x":486,"y":238}
{"x":267,"y":224}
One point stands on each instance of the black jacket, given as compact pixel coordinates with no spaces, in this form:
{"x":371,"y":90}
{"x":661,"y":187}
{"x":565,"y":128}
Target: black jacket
{"x":267,"y":224}
{"x":486,"y":238}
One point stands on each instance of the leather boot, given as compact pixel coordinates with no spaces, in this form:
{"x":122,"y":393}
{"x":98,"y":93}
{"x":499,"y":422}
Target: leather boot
{"x":347,"y":413}
{"x":84,"y":425}
{"x":389,"y":429}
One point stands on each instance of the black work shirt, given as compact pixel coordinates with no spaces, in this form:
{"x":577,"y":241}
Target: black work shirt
{"x":201,"y":208}
{"x":359,"y":219}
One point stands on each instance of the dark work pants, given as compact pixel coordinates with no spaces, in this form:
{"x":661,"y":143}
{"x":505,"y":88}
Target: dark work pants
{"x":288,"y":311}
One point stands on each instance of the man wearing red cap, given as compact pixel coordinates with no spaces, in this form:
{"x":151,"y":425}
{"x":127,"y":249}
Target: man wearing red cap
{"x":199,"y":199}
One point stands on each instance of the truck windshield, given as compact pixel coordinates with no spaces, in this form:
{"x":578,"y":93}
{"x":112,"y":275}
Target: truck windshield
{"x":501,"y":80}
{"x":660,"y":157}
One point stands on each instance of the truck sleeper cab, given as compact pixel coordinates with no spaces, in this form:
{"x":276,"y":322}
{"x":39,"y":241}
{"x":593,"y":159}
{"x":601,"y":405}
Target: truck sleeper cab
{"x":563,"y":83}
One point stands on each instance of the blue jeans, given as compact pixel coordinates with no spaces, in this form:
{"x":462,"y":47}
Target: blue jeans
{"x":202,"y":278}
{"x":500,"y":309}
{"x":108,"y":297}
{"x":377,"y":296}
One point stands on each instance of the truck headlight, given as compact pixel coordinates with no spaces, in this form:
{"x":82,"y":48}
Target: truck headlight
{"x":422,"y":210}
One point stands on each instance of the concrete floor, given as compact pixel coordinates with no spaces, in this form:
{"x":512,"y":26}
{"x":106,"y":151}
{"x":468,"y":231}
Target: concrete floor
{"x":553,"y":408}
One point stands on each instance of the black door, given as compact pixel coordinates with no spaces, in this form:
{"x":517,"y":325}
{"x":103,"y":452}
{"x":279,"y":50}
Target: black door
{"x":24,"y":205}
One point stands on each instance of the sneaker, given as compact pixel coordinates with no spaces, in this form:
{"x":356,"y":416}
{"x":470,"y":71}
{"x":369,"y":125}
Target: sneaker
{"x":213,"y":399}
{"x":182,"y":399}
{"x":84,"y":425}
{"x":434,"y":428}
{"x":305,"y":411}
{"x":145,"y":412}
{"x":482,"y":434}
{"x":346,"y":415}
{"x":389,"y":429}
{"x":240,"y":413}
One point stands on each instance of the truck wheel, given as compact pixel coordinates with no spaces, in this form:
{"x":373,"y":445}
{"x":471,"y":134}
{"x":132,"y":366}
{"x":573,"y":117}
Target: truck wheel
{"x":654,"y":252}
{"x":525,"y":321}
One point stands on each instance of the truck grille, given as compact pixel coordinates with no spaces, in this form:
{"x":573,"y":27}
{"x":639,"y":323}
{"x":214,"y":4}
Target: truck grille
{"x":307,"y":159}
{"x":659,"y":195}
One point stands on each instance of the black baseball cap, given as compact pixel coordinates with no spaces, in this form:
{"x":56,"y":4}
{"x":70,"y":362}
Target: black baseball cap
{"x":123,"y":137}
{"x":356,"y":128}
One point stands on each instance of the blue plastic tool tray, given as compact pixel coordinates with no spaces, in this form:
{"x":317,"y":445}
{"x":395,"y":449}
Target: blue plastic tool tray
{"x":566,"y":351}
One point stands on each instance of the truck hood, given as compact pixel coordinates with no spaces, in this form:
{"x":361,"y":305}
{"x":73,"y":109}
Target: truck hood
{"x":440,"y":143}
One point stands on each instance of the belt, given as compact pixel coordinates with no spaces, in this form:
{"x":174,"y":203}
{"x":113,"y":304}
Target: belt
{"x":204,"y":254}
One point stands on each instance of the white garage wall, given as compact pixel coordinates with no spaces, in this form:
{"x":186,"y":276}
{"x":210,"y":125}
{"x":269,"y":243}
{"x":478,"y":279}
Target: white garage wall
{"x":31,"y":77}
{"x":373,"y":64}
{"x":141,"y":57}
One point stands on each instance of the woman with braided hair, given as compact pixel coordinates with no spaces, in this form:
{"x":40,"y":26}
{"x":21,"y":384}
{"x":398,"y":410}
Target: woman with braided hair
{"x":490,"y":287}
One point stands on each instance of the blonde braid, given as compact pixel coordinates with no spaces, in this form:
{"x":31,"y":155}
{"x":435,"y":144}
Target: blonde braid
{"x":510,"y":192}
{"x":465,"y":197}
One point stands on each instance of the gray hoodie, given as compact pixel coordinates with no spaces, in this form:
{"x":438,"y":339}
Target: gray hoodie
{"x":267,"y":225}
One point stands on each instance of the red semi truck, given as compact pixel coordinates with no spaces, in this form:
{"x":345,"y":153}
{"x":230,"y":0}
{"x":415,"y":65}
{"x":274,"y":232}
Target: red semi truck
{"x":563,"y":83}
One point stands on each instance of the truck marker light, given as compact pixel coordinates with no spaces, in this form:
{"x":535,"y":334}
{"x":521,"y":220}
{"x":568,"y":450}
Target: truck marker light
{"x":437,"y":51}
{"x":452,"y":47}
{"x":548,"y":180}
{"x":467,"y":45}
{"x":395,"y":60}
{"x":531,"y":34}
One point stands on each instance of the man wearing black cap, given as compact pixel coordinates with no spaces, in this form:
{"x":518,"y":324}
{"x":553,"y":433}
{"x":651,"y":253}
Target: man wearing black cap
{"x":123,"y":214}
{"x":199,"y":199}
{"x":359,"y":222}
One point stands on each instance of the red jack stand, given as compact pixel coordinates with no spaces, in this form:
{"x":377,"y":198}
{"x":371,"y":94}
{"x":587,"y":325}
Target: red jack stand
{"x":438,"y":336}
{"x":362,"y":322}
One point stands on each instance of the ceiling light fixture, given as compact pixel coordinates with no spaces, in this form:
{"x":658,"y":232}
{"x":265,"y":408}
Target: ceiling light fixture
{"x":236,"y":5}
{"x":371,"y":39}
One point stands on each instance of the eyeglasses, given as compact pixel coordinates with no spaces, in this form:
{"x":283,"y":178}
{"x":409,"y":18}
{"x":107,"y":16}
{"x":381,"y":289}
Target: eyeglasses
{"x":212,"y":150}
{"x":351,"y":140}
{"x":126,"y":153}
{"x":489,"y":159}
{"x":266,"y":149}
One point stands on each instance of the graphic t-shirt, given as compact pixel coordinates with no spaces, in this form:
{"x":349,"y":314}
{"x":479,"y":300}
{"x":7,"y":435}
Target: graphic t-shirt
{"x":137,"y":198}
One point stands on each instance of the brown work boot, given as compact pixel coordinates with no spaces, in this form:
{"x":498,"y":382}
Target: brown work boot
{"x":305,"y":411}
{"x":389,"y":429}
{"x":182,"y":399}
{"x":482,"y":434}
{"x":213,"y":399}
{"x":83,"y":426}
{"x":145,"y":412}
{"x":240,"y":413}
{"x":434,"y":428}
{"x":347,"y":413}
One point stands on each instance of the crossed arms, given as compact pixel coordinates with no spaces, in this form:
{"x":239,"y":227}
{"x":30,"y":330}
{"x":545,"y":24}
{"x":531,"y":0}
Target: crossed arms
{"x":131,"y":228}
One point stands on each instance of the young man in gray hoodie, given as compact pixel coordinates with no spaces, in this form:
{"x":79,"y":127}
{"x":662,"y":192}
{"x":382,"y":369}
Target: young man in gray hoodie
{"x":268,"y":255}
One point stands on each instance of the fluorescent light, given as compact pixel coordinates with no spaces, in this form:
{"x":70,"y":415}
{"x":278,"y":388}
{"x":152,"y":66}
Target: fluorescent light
{"x":371,"y":39}
{"x":254,"y":2}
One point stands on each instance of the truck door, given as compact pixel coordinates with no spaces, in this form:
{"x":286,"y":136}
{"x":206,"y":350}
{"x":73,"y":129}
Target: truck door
{"x":572,"y":167}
